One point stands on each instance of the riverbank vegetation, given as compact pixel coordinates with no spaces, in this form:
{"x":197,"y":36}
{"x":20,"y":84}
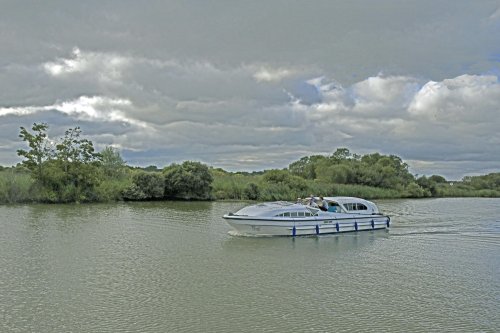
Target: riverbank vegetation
{"x":69,"y":169}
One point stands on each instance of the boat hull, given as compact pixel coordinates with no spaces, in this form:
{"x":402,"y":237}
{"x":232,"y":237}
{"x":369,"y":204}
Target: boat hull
{"x":280,"y":227}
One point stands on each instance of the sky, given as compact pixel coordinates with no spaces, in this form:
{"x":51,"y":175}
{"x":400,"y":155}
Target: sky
{"x":255,"y":85}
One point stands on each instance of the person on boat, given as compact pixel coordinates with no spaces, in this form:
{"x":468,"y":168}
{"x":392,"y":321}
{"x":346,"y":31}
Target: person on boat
{"x":312,"y":201}
{"x":324,"y":204}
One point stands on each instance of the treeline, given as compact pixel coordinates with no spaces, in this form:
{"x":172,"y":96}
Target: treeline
{"x":69,"y":169}
{"x":345,"y":174}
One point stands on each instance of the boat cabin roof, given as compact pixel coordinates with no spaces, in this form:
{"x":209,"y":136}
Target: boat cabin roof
{"x":285,"y":208}
{"x":275,"y":208}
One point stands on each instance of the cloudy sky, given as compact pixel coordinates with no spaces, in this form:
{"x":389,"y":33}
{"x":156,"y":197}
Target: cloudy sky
{"x":252,"y":85}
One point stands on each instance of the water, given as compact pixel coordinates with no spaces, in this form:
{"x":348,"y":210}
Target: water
{"x":173,"y":267}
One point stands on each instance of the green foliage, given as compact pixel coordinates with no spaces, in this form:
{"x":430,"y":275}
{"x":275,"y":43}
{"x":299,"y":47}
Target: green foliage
{"x":276,"y":191}
{"x":342,"y":167}
{"x":71,"y":171}
{"x":40,"y":149}
{"x":228,"y":185}
{"x":283,"y":177}
{"x":68,"y":173}
{"x":73,"y":182}
{"x":384,"y":171}
{"x":73,"y":150}
{"x":145,"y":186}
{"x":282,"y":185}
{"x":113,"y":189}
{"x":413,"y":190}
{"x":363,"y":191}
{"x":252,"y":191}
{"x":277,"y":176}
{"x":306,"y":166}
{"x":116,"y":177}
{"x":190,"y":180}
{"x":112,"y":163}
{"x":429,"y":185}
{"x":437,"y":179}
{"x":490,"y":181}
{"x":15,"y":186}
{"x":370,"y":176}
{"x":152,"y":168}
{"x":338,"y":174}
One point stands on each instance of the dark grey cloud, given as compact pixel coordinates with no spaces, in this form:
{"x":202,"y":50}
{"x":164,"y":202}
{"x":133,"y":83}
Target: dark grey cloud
{"x":254,"y":85}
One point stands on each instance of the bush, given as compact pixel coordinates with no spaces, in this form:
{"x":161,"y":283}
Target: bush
{"x":145,"y":185}
{"x":113,"y":189}
{"x":15,"y":186}
{"x":413,"y":190}
{"x":252,"y":191}
{"x":190,"y":180}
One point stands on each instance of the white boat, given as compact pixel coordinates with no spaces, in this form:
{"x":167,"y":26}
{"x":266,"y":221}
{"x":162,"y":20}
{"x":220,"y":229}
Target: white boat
{"x":282,"y":218}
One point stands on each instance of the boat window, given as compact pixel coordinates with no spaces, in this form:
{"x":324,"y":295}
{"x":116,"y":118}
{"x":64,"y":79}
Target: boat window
{"x":312,"y":211}
{"x":360,"y":206}
{"x":296,"y":214}
{"x":355,"y":206}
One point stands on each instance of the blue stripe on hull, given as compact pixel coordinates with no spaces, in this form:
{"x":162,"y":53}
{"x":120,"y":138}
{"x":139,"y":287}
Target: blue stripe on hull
{"x":335,"y":229}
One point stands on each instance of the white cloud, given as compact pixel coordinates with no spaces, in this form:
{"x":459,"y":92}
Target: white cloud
{"x":376,"y":97}
{"x":106,"y":67}
{"x":18,"y":111}
{"x":62,"y":66}
{"x":385,"y":90}
{"x":272,"y":74}
{"x":98,"y":108}
{"x":450,"y":120}
{"x":94,"y":108}
{"x":183,"y":109}
{"x":466,"y":98}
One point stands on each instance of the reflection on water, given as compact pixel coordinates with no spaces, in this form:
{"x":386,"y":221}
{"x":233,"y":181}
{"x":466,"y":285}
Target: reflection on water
{"x":175,"y":267}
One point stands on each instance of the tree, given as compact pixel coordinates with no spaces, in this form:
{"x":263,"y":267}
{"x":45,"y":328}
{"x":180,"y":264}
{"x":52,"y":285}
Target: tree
{"x":190,"y":180}
{"x":145,"y":185}
{"x":414,"y":190}
{"x":341,"y":154}
{"x":252,"y":191}
{"x":112,"y":163}
{"x":277,"y":176}
{"x":40,"y":149}
{"x":305,"y":167}
{"x":67,"y":173}
{"x":438,"y":179}
{"x":427,"y":184}
{"x":384,"y":171}
{"x":339,"y":173}
{"x":78,"y":162}
{"x":74,"y":150}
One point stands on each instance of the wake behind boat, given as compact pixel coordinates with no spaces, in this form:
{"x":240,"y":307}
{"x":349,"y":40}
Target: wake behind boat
{"x":308,"y":217}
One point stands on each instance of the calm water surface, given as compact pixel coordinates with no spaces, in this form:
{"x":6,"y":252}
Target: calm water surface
{"x":173,"y":267}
